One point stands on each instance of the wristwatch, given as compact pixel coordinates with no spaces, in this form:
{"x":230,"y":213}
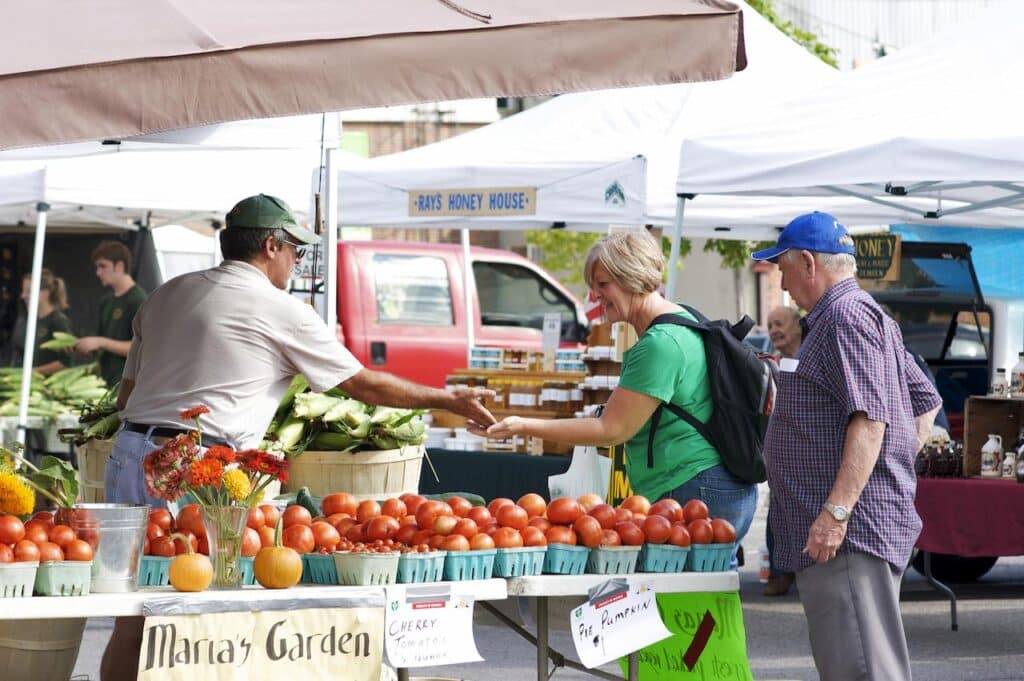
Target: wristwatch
{"x":840,"y":513}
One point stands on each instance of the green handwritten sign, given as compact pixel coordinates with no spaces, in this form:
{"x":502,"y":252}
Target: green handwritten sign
{"x":708,"y":640}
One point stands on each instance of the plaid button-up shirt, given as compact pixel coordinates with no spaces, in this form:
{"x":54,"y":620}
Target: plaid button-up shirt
{"x":852,"y":359}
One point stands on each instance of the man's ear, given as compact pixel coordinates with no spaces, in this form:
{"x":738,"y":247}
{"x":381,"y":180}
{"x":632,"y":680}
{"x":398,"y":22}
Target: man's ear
{"x":810,"y":264}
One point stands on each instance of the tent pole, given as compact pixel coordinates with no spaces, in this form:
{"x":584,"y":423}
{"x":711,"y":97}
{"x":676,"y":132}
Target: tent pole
{"x":673,"y":256}
{"x":30,"y":320}
{"x":467,"y":279}
{"x":331,"y":244}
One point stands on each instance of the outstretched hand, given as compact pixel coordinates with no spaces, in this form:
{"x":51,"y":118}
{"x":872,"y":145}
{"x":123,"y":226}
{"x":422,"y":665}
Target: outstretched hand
{"x":468,"y":402}
{"x":507,"y":427}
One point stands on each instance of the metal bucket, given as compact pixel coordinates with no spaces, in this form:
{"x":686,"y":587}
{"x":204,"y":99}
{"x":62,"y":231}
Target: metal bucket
{"x":117,"y":533}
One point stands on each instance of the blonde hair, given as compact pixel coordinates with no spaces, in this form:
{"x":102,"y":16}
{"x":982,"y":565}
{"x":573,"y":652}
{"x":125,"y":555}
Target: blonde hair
{"x":53,"y":285}
{"x":633,"y":259}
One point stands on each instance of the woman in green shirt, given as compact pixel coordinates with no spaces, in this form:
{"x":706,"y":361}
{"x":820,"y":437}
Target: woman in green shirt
{"x":667,"y":364}
{"x":53,"y":301}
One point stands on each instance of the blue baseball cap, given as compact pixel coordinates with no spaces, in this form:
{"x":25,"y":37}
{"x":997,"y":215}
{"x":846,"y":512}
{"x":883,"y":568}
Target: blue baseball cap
{"x":816,"y":232}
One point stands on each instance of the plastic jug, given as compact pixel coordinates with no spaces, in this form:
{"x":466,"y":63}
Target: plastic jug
{"x":992,"y":456}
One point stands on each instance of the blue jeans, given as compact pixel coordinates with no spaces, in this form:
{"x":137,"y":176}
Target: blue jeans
{"x":123,"y":481}
{"x":726,"y":496}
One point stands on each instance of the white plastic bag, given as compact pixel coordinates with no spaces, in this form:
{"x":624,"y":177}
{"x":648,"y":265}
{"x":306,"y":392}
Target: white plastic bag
{"x":588,"y":472}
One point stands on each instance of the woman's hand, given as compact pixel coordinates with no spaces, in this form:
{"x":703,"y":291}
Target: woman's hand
{"x":507,"y":427}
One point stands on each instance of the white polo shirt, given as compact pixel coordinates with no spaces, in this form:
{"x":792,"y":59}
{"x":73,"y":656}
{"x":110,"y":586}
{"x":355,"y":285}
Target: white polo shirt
{"x":229,"y":339}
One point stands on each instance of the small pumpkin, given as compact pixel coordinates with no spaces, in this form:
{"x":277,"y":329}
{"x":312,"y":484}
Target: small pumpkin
{"x":189,"y":571}
{"x":277,"y":566}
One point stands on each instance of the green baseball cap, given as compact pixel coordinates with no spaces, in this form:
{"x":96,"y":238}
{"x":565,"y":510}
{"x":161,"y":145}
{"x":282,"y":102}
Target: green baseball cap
{"x":268,"y":212}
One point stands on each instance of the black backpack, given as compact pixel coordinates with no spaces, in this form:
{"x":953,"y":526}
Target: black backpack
{"x":742,"y":389}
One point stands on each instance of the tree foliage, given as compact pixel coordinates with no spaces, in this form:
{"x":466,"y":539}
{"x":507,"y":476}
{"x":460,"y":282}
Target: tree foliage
{"x":563,"y":251}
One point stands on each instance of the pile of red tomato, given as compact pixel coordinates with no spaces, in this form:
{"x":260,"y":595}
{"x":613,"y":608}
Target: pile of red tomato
{"x":414,"y":523}
{"x":40,"y":539}
{"x":259,"y":530}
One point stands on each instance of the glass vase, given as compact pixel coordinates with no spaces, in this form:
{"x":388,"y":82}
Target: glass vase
{"x":225,"y":526}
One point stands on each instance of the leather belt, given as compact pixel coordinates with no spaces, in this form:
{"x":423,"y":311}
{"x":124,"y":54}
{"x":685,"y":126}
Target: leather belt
{"x":168,"y":432}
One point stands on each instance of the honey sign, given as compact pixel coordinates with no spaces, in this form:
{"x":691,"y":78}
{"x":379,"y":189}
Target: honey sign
{"x":878,"y":256}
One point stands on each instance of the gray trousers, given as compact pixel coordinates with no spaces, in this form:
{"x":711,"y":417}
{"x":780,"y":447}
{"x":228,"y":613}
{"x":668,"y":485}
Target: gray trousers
{"x":852,"y":604}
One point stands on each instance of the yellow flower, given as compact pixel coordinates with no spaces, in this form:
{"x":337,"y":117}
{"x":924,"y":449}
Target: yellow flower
{"x":16,"y":497}
{"x":237,"y":484}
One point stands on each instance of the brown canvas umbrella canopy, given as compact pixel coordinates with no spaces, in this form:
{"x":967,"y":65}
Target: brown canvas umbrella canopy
{"x":72,"y":71}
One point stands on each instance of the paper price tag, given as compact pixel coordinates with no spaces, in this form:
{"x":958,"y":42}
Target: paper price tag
{"x":551,"y":336}
{"x":430,"y":626}
{"x":617,"y":620}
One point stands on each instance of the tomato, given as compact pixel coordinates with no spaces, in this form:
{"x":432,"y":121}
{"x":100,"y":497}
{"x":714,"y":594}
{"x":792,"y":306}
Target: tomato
{"x":631,"y":534}
{"x":507,"y":538}
{"x":588,"y":530}
{"x":336,"y":518}
{"x":367,"y":509}
{"x":381,"y":527}
{"x":299,"y":536}
{"x":589,"y":501}
{"x":179,"y":546}
{"x":540,"y":523}
{"x":564,"y":511}
{"x":339,"y":502}
{"x":605,"y":516}
{"x":407,"y":520}
{"x":498,"y":503}
{"x":511,"y":515}
{"x":145,"y":547}
{"x":428,"y":512}
{"x":533,"y":536}
{"x":723,"y":531}
{"x":436,"y":541}
{"x":251,"y":542}
{"x":460,"y":505}
{"x":265,"y":536}
{"x":191,"y":518}
{"x":560,"y":534}
{"x":533,"y":503}
{"x":255,"y":519}
{"x":37,"y":534}
{"x":26,"y":551}
{"x":270,"y":514}
{"x":622,"y":515}
{"x":657,"y":529}
{"x":455,"y":542}
{"x":445,"y":524}
{"x":700,"y":531}
{"x":639,"y":518}
{"x":466,"y":527}
{"x":405,"y":533}
{"x":45,"y":517}
{"x":325,"y":535}
{"x":12,"y":530}
{"x":355,"y":533}
{"x":204,"y":546}
{"x":395,"y":508}
{"x":680,"y":536}
{"x":480,"y":515}
{"x":637,"y":504}
{"x":161,"y":517}
{"x":412,"y":501}
{"x":610,"y":538}
{"x":296,"y":515}
{"x":481,"y":542}
{"x":421,"y":537}
{"x":344,"y":524}
{"x":162,"y":546}
{"x":7,"y":553}
{"x":153,"y":531}
{"x":669,"y":508}
{"x":695,"y":509}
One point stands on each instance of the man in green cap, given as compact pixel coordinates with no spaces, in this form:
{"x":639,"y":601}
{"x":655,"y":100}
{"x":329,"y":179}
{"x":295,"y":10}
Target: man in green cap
{"x":231,"y":338}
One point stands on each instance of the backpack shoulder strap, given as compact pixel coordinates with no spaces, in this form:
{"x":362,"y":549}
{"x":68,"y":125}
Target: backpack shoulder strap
{"x":672,"y":318}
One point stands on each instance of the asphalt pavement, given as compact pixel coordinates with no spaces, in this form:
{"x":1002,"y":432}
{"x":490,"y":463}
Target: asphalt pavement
{"x":989,"y":645}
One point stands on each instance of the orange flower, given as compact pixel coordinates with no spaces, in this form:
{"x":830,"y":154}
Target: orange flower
{"x":194,"y":412}
{"x":221,"y":453}
{"x":205,"y":472}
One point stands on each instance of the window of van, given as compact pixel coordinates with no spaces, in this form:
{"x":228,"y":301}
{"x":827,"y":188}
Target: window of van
{"x":512,"y":295}
{"x":412,"y":289}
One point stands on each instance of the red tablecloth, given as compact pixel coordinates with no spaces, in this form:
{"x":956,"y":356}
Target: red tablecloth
{"x":971,"y":516}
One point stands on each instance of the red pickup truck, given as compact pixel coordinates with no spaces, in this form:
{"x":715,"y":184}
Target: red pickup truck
{"x":401,"y":305}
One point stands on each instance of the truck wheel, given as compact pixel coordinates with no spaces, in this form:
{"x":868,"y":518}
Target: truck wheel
{"x":955,"y":569}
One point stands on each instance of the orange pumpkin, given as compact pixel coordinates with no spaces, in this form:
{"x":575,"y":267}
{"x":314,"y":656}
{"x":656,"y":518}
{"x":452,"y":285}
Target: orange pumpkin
{"x":277,"y":566}
{"x":189,"y":571}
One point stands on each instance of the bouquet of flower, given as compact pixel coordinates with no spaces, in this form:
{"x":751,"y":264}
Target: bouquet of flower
{"x":225,"y":482}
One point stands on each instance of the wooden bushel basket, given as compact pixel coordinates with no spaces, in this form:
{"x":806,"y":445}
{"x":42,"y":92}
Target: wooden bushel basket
{"x":40,"y":649}
{"x":366,"y":475}
{"x":92,"y":466}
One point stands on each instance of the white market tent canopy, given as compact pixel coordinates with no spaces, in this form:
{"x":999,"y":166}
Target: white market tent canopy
{"x":593,"y":159}
{"x":77,"y":71}
{"x":930,"y":135}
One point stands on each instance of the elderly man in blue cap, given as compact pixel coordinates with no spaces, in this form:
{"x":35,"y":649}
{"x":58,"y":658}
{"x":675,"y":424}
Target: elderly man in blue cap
{"x":853,"y":409}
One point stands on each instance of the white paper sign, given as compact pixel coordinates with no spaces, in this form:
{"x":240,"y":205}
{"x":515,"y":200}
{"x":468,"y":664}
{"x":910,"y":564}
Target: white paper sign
{"x":618,"y":619}
{"x":552,"y":335}
{"x":428,"y":627}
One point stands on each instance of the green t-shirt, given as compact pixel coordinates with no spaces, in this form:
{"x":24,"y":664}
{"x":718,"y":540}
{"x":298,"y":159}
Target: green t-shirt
{"x":668,"y":364}
{"x":116,"y":315}
{"x":45,"y":326}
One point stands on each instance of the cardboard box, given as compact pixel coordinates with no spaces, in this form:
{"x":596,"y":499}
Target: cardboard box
{"x":984,"y":415}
